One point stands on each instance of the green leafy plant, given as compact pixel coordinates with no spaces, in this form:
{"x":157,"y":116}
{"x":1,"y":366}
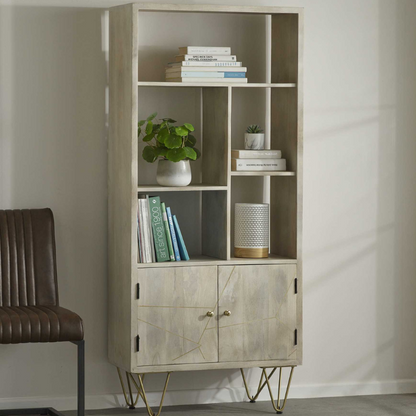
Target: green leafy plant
{"x":166,"y":141}
{"x":254,"y":128}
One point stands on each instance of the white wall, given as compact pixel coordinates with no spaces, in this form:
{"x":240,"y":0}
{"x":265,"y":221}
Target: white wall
{"x":360,"y":199}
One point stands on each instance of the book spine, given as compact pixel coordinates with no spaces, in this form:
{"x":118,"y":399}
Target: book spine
{"x":159,"y":236}
{"x":205,"y":50}
{"x":196,"y":63}
{"x":256,"y":154}
{"x":173,"y":235}
{"x":144,"y":232}
{"x":224,"y":80}
{"x":167,"y":231}
{"x":178,"y":69}
{"x":208,"y":58}
{"x":196,"y":74}
{"x":181,"y":243}
{"x":258,"y":164}
{"x":152,"y":241}
{"x":139,"y":248}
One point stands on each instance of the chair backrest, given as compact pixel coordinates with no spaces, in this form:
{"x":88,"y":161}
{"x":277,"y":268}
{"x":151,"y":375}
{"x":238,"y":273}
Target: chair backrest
{"x":27,"y":258}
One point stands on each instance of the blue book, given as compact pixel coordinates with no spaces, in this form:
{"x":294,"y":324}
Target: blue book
{"x":173,"y":235}
{"x":181,"y":242}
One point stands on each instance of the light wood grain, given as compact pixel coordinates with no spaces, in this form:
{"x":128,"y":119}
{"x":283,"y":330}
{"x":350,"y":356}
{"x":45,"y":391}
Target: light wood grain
{"x":212,"y":261}
{"x":214,"y":84}
{"x":262,"y":323}
{"x":122,"y":183}
{"x":189,"y":188}
{"x":172,"y":318}
{"x":208,"y":8}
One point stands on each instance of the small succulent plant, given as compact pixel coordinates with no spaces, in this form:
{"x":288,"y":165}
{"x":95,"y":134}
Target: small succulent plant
{"x":254,"y":128}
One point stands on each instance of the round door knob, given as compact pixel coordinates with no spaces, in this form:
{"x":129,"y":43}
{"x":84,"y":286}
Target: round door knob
{"x":227,"y":313}
{"x":210,"y":314}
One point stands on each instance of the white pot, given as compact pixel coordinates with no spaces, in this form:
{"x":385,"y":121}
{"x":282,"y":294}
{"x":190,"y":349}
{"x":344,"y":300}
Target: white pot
{"x":173,"y":173}
{"x":254,"y":141}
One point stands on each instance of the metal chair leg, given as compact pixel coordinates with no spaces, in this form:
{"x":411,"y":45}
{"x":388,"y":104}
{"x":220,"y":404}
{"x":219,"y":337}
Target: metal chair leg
{"x":81,"y":377}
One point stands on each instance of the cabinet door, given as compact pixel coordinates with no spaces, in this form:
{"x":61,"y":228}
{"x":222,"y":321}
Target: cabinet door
{"x":173,"y":325}
{"x":262,"y":323}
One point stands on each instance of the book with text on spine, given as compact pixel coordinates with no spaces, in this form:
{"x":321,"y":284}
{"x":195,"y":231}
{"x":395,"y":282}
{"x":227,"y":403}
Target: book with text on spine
{"x":208,"y":58}
{"x":181,"y":243}
{"x":206,"y":80}
{"x":256,"y":154}
{"x":258,"y":164}
{"x":196,"y":74}
{"x":204,"y":63}
{"x":159,"y":237}
{"x":214,"y":50}
{"x":167,"y":231}
{"x":228,"y":68}
{"x":173,"y":235}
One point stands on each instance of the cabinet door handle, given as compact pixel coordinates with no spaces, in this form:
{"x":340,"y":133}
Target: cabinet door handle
{"x":210,"y":314}
{"x":227,"y":313}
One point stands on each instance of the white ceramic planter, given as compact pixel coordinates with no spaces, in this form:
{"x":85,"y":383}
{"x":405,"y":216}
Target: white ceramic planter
{"x":254,"y":141}
{"x":173,"y":173}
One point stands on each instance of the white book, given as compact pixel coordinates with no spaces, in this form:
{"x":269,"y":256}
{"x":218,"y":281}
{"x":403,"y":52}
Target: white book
{"x":204,"y":63}
{"x":256,"y":154}
{"x":201,"y":74}
{"x":214,"y":50}
{"x":195,"y":80}
{"x":206,"y":58}
{"x":258,"y":164}
{"x":145,"y":231}
{"x":178,"y":69}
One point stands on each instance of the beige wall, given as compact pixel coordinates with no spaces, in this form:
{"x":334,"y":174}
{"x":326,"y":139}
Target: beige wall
{"x":360,"y":200}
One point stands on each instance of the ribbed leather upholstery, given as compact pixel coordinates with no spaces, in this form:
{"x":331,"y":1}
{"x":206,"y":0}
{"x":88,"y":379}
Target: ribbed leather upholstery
{"x":29,"y":304}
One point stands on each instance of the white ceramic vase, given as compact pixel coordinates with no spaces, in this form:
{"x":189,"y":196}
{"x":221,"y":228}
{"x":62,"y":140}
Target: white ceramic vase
{"x":254,"y":141}
{"x":173,"y":173}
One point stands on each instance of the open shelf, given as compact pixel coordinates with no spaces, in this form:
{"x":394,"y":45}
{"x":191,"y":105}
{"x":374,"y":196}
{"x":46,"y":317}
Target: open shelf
{"x":189,"y":188}
{"x":215,"y":84}
{"x":212,"y":261}
{"x":263,"y":173}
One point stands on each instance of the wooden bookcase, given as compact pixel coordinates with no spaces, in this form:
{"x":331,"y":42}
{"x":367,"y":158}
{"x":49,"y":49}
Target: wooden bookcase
{"x":263,"y":295}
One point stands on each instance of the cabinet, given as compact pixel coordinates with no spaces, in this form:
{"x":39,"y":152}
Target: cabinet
{"x":215,"y":311}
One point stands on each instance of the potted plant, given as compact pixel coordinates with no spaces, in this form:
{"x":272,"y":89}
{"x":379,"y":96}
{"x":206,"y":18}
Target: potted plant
{"x":254,"y":137}
{"x":173,"y":147}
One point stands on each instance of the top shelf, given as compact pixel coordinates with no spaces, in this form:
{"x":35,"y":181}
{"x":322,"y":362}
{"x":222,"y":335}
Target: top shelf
{"x":215,"y":84}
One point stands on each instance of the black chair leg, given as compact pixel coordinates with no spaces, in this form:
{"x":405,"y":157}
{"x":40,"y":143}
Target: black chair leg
{"x":81,"y":377}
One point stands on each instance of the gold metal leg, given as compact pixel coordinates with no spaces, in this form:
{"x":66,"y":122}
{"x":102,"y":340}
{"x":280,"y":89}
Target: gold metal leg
{"x":139,"y":385}
{"x":276,"y":406}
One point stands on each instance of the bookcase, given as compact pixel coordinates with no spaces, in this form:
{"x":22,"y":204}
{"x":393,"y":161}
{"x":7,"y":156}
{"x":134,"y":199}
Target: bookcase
{"x":215,"y":311}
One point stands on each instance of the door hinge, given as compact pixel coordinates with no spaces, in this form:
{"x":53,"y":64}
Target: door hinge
{"x":138,"y":290}
{"x":137,"y":343}
{"x":296,"y":285}
{"x":296,"y":337}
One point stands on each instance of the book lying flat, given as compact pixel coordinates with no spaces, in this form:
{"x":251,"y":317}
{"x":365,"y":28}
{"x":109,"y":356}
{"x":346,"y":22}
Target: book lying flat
{"x":179,"y":68}
{"x":203,"y":63}
{"x":252,"y":165}
{"x":200,"y":74}
{"x":241,"y":80}
{"x":256,"y":154}
{"x":208,"y":58}
{"x":214,"y":50}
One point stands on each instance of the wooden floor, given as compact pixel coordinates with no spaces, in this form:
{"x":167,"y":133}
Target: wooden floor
{"x":389,"y":405}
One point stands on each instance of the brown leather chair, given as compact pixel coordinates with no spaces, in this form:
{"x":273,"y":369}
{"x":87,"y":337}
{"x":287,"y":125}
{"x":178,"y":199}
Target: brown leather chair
{"x":29,"y":303}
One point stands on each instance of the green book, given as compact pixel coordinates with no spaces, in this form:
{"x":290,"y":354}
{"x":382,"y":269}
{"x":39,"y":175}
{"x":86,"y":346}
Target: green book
{"x":167,"y":232}
{"x":159,"y":235}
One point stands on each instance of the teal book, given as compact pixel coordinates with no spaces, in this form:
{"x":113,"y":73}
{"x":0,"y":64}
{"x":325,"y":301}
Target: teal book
{"x":159,"y":236}
{"x":173,"y":235}
{"x":181,"y":243}
{"x":167,"y":232}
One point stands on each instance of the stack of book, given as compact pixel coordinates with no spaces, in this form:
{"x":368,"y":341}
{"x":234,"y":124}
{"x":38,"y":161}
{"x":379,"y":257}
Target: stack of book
{"x":205,"y":64}
{"x":158,"y":233}
{"x":257,"y":160}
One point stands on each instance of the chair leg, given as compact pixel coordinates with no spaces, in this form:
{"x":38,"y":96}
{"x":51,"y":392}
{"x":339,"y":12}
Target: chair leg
{"x":81,"y":377}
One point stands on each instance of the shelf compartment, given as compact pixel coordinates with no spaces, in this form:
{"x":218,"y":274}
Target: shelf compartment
{"x":193,"y":187}
{"x":263,"y":173}
{"x":215,"y":84}
{"x":212,"y":261}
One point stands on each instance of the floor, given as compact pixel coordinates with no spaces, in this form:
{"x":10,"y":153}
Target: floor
{"x":389,"y":405}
